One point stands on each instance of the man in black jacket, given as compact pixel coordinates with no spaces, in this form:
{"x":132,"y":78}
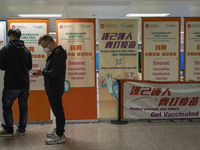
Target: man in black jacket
{"x":54,"y":77}
{"x":16,"y":61}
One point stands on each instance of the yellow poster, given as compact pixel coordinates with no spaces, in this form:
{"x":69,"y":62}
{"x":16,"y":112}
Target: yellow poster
{"x":118,"y":55}
{"x":161,"y":49}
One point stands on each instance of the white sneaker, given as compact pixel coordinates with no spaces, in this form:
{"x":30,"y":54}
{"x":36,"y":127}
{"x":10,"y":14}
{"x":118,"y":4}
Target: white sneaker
{"x":49,"y":135}
{"x":4,"y":133}
{"x":55,"y":139}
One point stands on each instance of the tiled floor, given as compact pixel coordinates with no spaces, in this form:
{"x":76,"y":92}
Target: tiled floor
{"x":107,"y":136}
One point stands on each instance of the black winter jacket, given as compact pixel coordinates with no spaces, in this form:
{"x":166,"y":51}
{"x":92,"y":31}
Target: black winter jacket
{"x":16,"y":60}
{"x":54,"y":71}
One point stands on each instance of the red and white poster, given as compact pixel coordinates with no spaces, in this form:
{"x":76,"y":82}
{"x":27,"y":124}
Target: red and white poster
{"x":192,"y":48}
{"x":78,"y":38}
{"x":2,"y":43}
{"x":3,"y":33}
{"x":31,"y":30}
{"x":161,"y":100}
{"x":161,"y":49}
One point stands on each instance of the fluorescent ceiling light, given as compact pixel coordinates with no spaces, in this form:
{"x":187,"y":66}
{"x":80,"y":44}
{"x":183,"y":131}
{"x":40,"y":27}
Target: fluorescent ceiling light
{"x":40,"y":15}
{"x":52,"y":32}
{"x":147,"y":15}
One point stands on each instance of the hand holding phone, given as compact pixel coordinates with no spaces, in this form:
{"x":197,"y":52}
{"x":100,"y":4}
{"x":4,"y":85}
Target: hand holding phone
{"x":38,"y":72}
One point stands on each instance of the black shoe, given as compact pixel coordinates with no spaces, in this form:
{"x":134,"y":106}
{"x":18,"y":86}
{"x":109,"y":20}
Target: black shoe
{"x":20,"y":132}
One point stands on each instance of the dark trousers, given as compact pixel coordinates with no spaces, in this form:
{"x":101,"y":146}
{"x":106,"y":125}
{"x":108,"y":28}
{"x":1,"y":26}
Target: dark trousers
{"x":55,"y":101}
{"x":8,"y":98}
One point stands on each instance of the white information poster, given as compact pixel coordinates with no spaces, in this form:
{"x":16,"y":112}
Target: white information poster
{"x":192,"y":49}
{"x":3,"y":33}
{"x":78,"y":39}
{"x":31,"y":33}
{"x":161,"y":48}
{"x":2,"y":43}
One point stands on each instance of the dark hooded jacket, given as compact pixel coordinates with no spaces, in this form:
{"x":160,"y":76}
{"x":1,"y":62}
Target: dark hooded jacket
{"x":54,"y":71}
{"x":16,"y":60}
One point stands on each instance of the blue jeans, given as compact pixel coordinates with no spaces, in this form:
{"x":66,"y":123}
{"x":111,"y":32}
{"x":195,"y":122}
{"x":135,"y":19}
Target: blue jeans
{"x":8,"y":99}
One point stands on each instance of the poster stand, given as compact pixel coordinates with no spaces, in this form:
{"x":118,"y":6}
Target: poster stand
{"x":119,"y":121}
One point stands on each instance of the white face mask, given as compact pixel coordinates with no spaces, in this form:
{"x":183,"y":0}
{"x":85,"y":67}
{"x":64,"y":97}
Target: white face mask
{"x":46,"y":50}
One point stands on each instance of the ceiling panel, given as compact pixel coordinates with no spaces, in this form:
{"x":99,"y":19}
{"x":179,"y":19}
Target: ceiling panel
{"x":100,"y":9}
{"x":100,"y":3}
